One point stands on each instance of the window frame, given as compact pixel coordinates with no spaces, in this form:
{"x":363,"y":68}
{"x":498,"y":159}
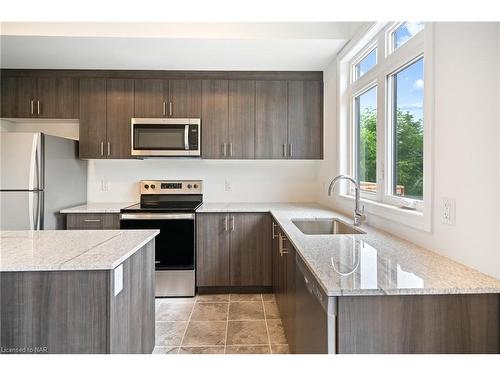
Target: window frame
{"x":389,"y":61}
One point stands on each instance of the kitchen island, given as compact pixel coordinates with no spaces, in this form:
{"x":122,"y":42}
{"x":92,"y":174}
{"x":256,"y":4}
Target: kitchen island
{"x":77,"y":291}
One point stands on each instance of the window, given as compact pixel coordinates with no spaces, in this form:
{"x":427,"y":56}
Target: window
{"x":408,"y":131}
{"x":384,"y":120}
{"x":405,"y":32}
{"x":366,"y":63}
{"x":365,"y":106}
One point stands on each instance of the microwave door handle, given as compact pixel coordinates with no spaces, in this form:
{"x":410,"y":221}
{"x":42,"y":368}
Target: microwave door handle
{"x":186,"y":137}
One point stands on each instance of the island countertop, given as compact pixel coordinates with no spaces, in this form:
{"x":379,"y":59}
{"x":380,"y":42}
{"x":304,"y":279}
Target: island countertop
{"x":69,"y":250}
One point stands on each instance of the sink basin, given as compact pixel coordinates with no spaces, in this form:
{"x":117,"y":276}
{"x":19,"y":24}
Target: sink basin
{"x":326,"y":226}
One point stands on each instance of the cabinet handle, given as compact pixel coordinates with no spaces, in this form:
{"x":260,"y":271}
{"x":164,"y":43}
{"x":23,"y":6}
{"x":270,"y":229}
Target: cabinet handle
{"x":32,"y":104}
{"x":283,"y":250}
{"x":232,"y":223}
{"x":290,"y":150}
{"x":102,"y":148}
{"x":164,"y":109}
{"x":92,"y":220}
{"x":284,"y":150}
{"x":224,"y":149}
{"x":225,"y":223}
{"x":109,"y":148}
{"x":170,"y":109}
{"x":231,"y":149}
{"x":38,"y":107}
{"x":274,"y":234}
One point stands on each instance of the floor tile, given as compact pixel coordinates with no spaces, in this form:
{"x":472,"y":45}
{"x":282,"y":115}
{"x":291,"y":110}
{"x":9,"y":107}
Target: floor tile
{"x":213,"y":311}
{"x":246,"y":311}
{"x":205,"y":333}
{"x":170,"y":333}
{"x":271,"y":309}
{"x":165,"y":350}
{"x":268,"y":297}
{"x":213,"y":298}
{"x":252,"y":349}
{"x":201,"y":350}
{"x":244,"y":333}
{"x":276,"y":331}
{"x":245,"y":297}
{"x":280,"y":349}
{"x":174,"y":312}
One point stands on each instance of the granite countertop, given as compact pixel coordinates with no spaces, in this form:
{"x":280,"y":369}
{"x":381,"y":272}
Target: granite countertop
{"x":375,"y":263}
{"x":97,"y":208}
{"x":68,"y":250}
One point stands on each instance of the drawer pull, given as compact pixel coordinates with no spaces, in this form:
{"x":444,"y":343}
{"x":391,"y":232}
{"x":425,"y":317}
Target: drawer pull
{"x":92,"y":220}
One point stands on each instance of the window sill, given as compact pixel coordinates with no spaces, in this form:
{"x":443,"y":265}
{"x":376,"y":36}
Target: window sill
{"x":413,"y":219}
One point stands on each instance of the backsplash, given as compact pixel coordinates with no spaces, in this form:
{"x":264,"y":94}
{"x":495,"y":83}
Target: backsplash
{"x":224,"y":180}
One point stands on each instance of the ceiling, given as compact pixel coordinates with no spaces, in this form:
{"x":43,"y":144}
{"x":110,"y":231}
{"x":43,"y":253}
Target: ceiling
{"x":228,"y":46}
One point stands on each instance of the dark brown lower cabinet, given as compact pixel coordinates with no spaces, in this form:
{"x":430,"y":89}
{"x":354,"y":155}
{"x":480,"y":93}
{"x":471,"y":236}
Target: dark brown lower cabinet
{"x":92,"y":221}
{"x":78,"y":311}
{"x":233,"y":250}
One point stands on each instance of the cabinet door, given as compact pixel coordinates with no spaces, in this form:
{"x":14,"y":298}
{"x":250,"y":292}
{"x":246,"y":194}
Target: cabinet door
{"x":92,"y":118}
{"x":57,"y":98}
{"x":289,"y":298}
{"x":241,"y":119}
{"x":9,"y":97}
{"x":279,"y":269}
{"x":185,"y":98}
{"x":26,"y":97}
{"x":305,"y":119}
{"x":212,"y":260}
{"x":251,"y":244}
{"x":150,"y":98}
{"x":119,"y":112}
{"x":270,"y":119}
{"x":214,"y":124}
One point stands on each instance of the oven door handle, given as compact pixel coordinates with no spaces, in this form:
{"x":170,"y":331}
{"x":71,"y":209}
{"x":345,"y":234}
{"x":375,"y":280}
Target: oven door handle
{"x":146,"y":216}
{"x":186,"y":137}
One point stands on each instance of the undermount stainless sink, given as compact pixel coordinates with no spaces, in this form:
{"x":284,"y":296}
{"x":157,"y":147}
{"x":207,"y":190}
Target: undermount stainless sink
{"x":325,"y":226}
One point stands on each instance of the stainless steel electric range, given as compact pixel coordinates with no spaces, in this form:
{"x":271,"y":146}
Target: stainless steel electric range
{"x":169,"y":206}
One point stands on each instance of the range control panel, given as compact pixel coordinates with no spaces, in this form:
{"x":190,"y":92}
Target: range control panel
{"x":171,"y":187}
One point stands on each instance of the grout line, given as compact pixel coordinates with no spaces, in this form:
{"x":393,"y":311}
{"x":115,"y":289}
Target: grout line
{"x":187,"y":325}
{"x":267,"y":328}
{"x":227,"y":324}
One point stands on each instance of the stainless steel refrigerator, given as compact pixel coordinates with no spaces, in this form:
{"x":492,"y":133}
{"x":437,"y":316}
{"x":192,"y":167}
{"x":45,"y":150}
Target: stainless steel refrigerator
{"x":39,"y":175}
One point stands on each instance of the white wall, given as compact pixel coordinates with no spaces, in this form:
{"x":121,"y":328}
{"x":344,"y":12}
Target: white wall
{"x":250,"y":180}
{"x":66,"y":128}
{"x":466,"y":146}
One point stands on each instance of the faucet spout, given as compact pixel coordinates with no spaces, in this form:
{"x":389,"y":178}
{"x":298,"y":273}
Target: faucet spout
{"x":358,"y":213}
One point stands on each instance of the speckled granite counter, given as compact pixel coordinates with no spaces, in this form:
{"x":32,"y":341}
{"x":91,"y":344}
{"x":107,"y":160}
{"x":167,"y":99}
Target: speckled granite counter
{"x":375,"y":263}
{"x":50,"y":250}
{"x":96,"y":208}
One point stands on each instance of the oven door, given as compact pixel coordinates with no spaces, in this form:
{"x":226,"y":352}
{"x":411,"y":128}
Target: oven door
{"x":165,"y":137}
{"x":175,"y":245}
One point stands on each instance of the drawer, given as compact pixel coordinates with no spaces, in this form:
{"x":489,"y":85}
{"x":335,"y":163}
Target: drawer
{"x":92,"y":221}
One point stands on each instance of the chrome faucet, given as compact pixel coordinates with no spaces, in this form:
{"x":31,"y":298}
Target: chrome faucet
{"x":358,"y":213}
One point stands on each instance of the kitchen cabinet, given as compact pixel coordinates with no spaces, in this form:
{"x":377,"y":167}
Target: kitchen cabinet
{"x":305,"y":120}
{"x":241,"y":133}
{"x":214,"y":124}
{"x":233,"y":250}
{"x":92,"y":221}
{"x":150,"y":98}
{"x":106,"y":108}
{"x":184,"y":98}
{"x":271,"y":119}
{"x":47,"y":97}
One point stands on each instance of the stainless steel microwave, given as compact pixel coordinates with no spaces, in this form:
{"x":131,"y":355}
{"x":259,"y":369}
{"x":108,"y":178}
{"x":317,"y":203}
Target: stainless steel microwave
{"x":166,"y":136}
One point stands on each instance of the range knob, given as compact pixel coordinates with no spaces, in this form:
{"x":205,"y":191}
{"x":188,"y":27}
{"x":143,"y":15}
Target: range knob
{"x":189,"y":186}
{"x":152,"y":186}
{"x":196,"y":186}
{"x":146,"y":186}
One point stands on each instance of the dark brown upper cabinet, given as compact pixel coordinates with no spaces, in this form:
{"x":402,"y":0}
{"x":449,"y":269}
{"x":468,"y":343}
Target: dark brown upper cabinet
{"x":32,"y":97}
{"x":271,"y":119}
{"x":119,"y":112}
{"x":241,"y":134}
{"x":184,"y":98}
{"x":214,"y":124}
{"x":93,"y":118}
{"x":150,"y":98}
{"x":305,"y":120}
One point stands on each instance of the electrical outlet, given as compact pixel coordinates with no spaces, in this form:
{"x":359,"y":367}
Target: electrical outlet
{"x":104,"y":185}
{"x":227,"y":185}
{"x":448,"y":211}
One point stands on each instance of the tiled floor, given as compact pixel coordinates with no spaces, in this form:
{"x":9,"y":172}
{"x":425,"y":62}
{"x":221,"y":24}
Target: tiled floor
{"x":219,"y":324}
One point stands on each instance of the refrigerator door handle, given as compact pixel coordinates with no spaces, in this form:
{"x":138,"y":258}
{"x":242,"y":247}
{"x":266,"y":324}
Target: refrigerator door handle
{"x":34,"y":176}
{"x":31,"y":214}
